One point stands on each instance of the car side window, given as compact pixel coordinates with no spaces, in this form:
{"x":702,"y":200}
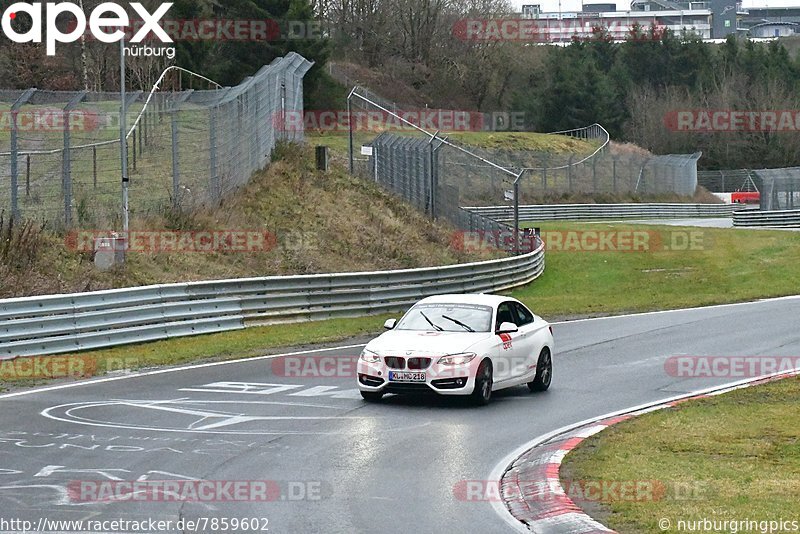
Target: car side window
{"x":524,"y":316}
{"x":505,"y":314}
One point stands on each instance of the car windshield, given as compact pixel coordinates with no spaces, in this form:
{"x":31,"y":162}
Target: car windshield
{"x":444,"y":317}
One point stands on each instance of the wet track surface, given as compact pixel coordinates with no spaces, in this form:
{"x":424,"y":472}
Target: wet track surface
{"x":341,"y":465}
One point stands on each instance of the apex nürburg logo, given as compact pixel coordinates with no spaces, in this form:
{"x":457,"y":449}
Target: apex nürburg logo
{"x":102,"y":23}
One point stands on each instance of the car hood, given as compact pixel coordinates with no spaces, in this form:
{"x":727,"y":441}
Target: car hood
{"x":401,"y":342}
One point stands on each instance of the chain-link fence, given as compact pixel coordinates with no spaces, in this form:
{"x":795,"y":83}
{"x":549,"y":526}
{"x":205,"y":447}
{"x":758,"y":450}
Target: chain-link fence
{"x":729,"y":181}
{"x":61,"y":161}
{"x":780,"y":188}
{"x":440,"y":176}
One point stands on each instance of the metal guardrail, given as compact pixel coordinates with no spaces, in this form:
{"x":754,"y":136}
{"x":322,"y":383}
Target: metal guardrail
{"x":778,"y":219}
{"x":67,"y":323}
{"x":551,"y":212}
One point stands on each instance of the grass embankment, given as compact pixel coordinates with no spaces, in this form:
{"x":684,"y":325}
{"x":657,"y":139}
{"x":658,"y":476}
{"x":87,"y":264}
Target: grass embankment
{"x":323,"y":222}
{"x":731,"y":457}
{"x":704,"y":266}
{"x":728,"y":265}
{"x":339,"y":143}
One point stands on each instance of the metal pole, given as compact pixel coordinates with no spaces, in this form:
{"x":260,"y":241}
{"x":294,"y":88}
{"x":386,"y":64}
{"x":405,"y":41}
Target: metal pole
{"x":14,"y":169}
{"x":123,"y":143}
{"x":516,"y":213}
{"x":176,"y":179}
{"x":350,"y":127}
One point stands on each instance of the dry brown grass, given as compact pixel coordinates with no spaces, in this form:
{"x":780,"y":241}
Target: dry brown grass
{"x":323,"y":222}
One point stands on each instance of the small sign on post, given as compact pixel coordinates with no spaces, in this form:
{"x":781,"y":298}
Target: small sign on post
{"x":366,"y":150}
{"x":509,"y":195}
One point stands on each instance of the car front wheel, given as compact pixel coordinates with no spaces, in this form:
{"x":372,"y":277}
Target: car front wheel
{"x":482,"y":393}
{"x":544,"y":372}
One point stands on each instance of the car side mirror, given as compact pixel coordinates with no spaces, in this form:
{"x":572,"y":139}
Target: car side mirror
{"x":507,"y":328}
{"x":389,"y":324}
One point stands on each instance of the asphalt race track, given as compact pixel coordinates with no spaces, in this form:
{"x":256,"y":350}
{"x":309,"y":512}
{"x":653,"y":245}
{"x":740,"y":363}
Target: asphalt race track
{"x":368,"y":468}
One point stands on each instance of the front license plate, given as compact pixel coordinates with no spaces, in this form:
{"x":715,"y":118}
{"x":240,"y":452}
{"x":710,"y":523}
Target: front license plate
{"x":399,"y":376}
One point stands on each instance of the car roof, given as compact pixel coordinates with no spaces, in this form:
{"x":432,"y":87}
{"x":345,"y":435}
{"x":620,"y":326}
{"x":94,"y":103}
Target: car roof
{"x":468,"y":298}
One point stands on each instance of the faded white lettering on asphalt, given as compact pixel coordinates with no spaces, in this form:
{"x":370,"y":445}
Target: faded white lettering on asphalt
{"x":257,"y":388}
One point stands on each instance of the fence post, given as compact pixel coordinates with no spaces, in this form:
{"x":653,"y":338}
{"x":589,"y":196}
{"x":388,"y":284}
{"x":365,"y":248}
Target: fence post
{"x":27,"y":176}
{"x":614,"y":174}
{"x":144,"y":132}
{"x":94,"y":167}
{"x":134,"y":148}
{"x":350,"y":129}
{"x":213,"y":171}
{"x":544,"y":172}
{"x":66,"y":162}
{"x":24,"y":97}
{"x":176,"y":179}
{"x":569,"y":172}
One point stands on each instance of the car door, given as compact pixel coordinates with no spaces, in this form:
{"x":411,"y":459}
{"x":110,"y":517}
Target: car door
{"x":507,"y":350}
{"x":531,"y":338}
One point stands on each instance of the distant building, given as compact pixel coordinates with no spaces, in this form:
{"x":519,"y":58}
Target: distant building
{"x":773,"y":29}
{"x":707,"y":19}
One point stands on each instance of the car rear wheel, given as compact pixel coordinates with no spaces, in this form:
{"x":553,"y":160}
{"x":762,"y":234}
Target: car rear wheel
{"x":372,"y":396}
{"x":544,"y":372}
{"x":482,"y":393}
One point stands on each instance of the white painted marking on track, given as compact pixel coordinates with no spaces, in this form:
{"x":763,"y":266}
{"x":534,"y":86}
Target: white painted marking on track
{"x":190,"y":367}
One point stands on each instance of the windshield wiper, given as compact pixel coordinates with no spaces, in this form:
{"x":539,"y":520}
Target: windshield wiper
{"x":436,"y":326}
{"x":459,"y":323}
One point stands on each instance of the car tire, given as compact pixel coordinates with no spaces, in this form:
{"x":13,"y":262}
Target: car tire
{"x":544,"y":372}
{"x":482,"y":393}
{"x":372,"y":396}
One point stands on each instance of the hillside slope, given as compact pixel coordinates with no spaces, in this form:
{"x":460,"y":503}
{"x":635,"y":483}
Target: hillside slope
{"x":322,"y":222}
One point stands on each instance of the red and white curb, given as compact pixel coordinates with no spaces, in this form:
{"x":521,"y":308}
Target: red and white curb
{"x":530,"y":485}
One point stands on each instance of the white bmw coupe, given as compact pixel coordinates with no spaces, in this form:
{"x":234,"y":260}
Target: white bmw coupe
{"x":459,"y":345}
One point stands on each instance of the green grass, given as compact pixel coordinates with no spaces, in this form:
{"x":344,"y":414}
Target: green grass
{"x":254,"y":341}
{"x":514,"y":141}
{"x":735,"y":456}
{"x":731,"y":265}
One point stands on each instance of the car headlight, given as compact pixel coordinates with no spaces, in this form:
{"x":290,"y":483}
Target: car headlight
{"x":457,"y":359}
{"x":369,"y":356}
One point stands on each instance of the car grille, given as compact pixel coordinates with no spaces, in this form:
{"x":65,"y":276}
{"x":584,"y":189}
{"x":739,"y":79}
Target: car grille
{"x":395,"y":362}
{"x":419,"y":363}
{"x":407,"y":387}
